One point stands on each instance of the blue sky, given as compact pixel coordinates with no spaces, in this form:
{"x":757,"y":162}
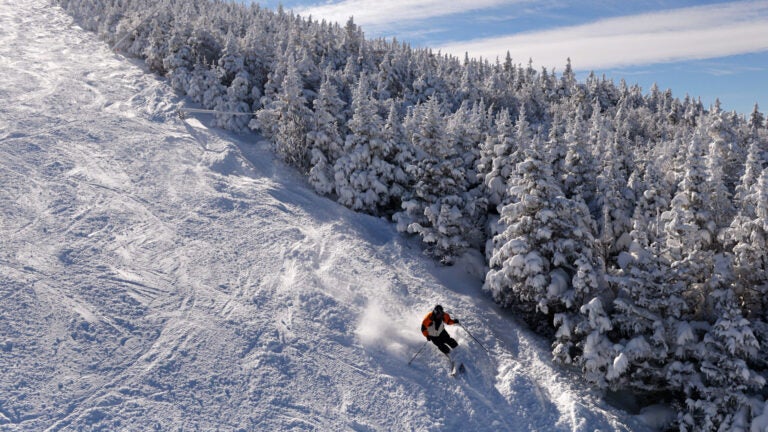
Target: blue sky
{"x":707,"y":49}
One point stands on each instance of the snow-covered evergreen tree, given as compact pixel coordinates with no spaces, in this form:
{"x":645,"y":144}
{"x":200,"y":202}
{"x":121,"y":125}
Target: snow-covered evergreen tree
{"x":179,"y":62}
{"x":725,"y":147}
{"x":394,"y":135}
{"x":756,"y":119}
{"x":648,"y":309}
{"x":231,"y":61}
{"x":598,"y":351}
{"x":723,"y":378}
{"x":366,"y":173}
{"x":689,"y":224}
{"x":721,"y":204}
{"x":544,"y":259}
{"x":232,"y":109}
{"x":617,"y":203}
{"x":324,"y":138}
{"x":752,"y":167}
{"x":748,"y":236}
{"x":652,"y":201}
{"x":555,"y":147}
{"x":578,"y":166}
{"x":499,"y":149}
{"x":467,"y":131}
{"x":438,"y":208}
{"x":285,"y":120}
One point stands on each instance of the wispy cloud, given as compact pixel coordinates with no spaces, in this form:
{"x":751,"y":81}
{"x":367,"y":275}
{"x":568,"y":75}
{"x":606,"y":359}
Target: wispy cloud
{"x":679,"y":34}
{"x":384,"y":13}
{"x":728,"y":69}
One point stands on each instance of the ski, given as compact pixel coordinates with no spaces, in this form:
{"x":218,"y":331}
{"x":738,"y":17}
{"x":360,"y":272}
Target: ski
{"x":455,"y":370}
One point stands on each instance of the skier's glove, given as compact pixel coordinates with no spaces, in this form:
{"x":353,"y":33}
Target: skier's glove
{"x":456,"y":321}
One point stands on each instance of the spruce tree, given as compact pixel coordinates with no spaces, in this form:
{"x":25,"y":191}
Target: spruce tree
{"x":438,"y":207}
{"x":285,"y":119}
{"x":722,"y":377}
{"x":324,"y":138}
{"x":689,"y":224}
{"x":499,"y":148}
{"x":365,"y":173}
{"x":544,"y":261}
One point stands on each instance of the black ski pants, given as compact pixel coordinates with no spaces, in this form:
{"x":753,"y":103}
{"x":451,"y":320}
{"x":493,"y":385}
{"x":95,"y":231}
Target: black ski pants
{"x":444,"y":341}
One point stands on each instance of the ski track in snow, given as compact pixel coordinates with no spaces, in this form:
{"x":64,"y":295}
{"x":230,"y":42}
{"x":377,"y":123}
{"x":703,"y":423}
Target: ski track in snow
{"x":155,"y":273}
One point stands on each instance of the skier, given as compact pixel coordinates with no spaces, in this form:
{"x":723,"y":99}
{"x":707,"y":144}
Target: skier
{"x":433,"y":328}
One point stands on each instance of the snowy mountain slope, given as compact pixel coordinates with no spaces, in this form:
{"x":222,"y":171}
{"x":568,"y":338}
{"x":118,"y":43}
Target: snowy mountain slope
{"x":155,"y":273}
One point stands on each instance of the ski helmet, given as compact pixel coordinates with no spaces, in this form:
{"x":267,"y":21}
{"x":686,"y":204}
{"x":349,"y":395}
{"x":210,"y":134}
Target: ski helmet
{"x":438,"y":310}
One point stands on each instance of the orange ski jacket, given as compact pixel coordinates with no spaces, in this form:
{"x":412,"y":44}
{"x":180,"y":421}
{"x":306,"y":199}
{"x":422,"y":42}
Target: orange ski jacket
{"x":428,"y":324}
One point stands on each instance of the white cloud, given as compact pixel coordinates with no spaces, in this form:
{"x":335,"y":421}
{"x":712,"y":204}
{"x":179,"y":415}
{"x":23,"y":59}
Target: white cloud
{"x":679,"y":34}
{"x":380,"y":13}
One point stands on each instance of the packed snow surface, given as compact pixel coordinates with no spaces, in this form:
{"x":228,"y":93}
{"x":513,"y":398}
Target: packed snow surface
{"x":155,"y":273}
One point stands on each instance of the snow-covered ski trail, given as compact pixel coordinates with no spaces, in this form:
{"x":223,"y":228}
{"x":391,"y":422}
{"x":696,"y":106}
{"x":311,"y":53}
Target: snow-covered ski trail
{"x":155,"y":273}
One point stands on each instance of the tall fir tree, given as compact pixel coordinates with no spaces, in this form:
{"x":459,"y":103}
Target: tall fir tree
{"x":748,"y":238}
{"x":365,"y":173}
{"x":689,"y":225}
{"x":438,"y":208}
{"x":324,"y":138}
{"x":722,"y":377}
{"x":499,"y":148}
{"x":284,"y":120}
{"x":544,"y":260}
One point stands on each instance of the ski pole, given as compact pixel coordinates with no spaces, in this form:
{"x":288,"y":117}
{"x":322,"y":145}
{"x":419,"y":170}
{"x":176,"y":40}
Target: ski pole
{"x":470,"y":335}
{"x":417,"y":353}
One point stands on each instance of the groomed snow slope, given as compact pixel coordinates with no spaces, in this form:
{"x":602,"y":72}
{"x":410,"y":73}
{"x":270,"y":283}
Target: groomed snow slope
{"x":155,"y":273}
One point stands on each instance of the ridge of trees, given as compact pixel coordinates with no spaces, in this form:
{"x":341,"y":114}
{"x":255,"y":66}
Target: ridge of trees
{"x":630,"y":228}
